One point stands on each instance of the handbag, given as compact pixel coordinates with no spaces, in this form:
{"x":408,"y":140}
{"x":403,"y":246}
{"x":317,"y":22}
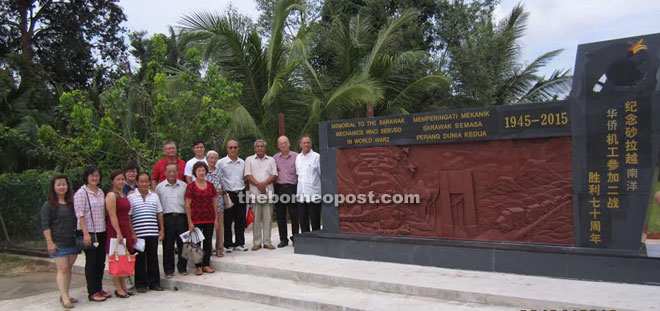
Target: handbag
{"x":249,"y":217}
{"x":120,"y":265}
{"x":80,"y":237}
{"x":192,"y":251}
{"x":227,"y":201}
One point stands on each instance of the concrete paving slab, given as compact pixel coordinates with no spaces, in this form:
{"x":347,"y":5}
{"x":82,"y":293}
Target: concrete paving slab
{"x":513,"y":290}
{"x":489,"y":288}
{"x":166,"y":300}
{"x":307,"y":296}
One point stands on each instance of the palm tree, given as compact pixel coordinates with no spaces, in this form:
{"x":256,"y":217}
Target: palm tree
{"x":233,"y":43}
{"x":485,"y":66}
{"x":525,"y":85}
{"x":369,"y":71}
{"x":280,"y":78}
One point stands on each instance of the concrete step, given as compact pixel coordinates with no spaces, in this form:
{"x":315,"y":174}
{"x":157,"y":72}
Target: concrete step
{"x":285,"y":279}
{"x":299,"y":295}
{"x":484,"y":288}
{"x":170,"y":300}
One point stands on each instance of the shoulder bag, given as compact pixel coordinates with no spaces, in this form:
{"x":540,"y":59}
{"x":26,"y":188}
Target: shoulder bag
{"x":80,"y":237}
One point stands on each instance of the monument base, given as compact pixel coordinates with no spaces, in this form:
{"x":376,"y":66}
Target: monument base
{"x":519,"y":258}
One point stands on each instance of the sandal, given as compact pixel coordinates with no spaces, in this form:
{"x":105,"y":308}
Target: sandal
{"x":74,"y":300}
{"x":98,"y":297}
{"x":105,"y":294}
{"x":122,"y":296}
{"x":219,"y":253}
{"x":66,"y":305}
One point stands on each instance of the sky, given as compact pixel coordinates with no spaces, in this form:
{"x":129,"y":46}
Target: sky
{"x":552,"y":24}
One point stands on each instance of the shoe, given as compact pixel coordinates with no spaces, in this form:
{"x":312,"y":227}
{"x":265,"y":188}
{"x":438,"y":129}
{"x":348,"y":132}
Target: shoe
{"x":122,"y":296}
{"x":241,"y":248}
{"x":74,"y":300}
{"x":283,"y":244}
{"x":228,"y":250}
{"x":66,"y":305}
{"x":184,"y":273}
{"x":130,"y":283}
{"x":98,"y":297}
{"x":198,"y":271}
{"x":105,"y":294}
{"x":169,"y":275}
{"x":256,"y":247}
{"x":156,"y":288}
{"x":141,"y":290}
{"x":130,"y":293}
{"x":219,"y":253}
{"x":208,"y":269}
{"x":269,"y":246}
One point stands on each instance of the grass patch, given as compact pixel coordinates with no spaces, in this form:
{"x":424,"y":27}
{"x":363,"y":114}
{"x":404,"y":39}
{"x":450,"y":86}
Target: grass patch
{"x":37,"y":244}
{"x":654,"y":209}
{"x":12,"y":265}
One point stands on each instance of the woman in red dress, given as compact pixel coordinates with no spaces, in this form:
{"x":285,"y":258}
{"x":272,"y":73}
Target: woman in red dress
{"x":119,"y":225}
{"x":202,"y":211}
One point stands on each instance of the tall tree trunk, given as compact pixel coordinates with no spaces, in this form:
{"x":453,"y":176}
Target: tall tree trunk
{"x":25,"y":9}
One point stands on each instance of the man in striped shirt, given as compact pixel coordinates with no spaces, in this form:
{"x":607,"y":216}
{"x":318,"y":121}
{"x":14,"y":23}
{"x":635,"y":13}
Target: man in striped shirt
{"x":147,"y":221}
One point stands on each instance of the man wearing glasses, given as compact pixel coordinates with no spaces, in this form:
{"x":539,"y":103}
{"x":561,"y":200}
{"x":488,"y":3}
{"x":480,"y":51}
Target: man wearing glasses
{"x":233,"y":181}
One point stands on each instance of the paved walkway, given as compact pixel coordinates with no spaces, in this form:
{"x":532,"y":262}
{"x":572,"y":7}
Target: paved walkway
{"x":167,"y":300}
{"x":514,"y":291}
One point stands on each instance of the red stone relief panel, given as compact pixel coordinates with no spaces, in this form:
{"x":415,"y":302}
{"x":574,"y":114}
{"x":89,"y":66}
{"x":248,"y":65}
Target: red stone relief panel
{"x":505,"y":190}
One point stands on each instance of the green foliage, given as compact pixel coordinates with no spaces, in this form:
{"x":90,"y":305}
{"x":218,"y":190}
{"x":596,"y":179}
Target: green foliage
{"x":47,"y":47}
{"x":653,"y":214}
{"x":12,"y":143}
{"x":134,"y":117}
{"x":484,"y":59}
{"x":370,"y":68}
{"x":221,"y":76}
{"x":232,"y":42}
{"x":20,"y":204}
{"x":44,"y":34}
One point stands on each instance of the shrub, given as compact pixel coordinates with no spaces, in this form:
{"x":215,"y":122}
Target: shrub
{"x":22,"y":195}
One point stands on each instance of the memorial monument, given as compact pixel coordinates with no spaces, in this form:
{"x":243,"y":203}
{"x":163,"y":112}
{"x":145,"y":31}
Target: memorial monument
{"x":555,"y":189}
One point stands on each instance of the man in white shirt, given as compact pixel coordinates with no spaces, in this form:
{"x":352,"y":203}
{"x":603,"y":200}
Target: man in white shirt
{"x":261,"y":172}
{"x":146,"y":215}
{"x":198,"y":149}
{"x":233,"y":182}
{"x":308,"y":168}
{"x":172,"y":193}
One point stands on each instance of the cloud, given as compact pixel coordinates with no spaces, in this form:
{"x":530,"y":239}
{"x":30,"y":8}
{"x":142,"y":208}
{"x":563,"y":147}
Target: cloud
{"x":154,"y":16}
{"x":552,"y":24}
{"x":563,"y":24}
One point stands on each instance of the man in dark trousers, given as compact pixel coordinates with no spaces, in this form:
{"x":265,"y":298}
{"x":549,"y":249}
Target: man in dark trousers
{"x":233,"y":182}
{"x":285,"y":189}
{"x":172,"y":193}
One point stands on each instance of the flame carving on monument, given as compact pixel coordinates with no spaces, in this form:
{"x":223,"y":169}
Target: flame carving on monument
{"x":505,"y":190}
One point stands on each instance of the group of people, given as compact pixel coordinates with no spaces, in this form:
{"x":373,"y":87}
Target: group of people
{"x":206,"y":193}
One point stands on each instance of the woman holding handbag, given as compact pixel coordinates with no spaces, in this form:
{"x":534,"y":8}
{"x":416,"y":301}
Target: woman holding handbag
{"x":119,"y":226}
{"x":58,"y":221}
{"x":89,"y":204}
{"x":202,"y":212}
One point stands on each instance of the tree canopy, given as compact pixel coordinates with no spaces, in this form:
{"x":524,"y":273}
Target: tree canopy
{"x":78,"y":91}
